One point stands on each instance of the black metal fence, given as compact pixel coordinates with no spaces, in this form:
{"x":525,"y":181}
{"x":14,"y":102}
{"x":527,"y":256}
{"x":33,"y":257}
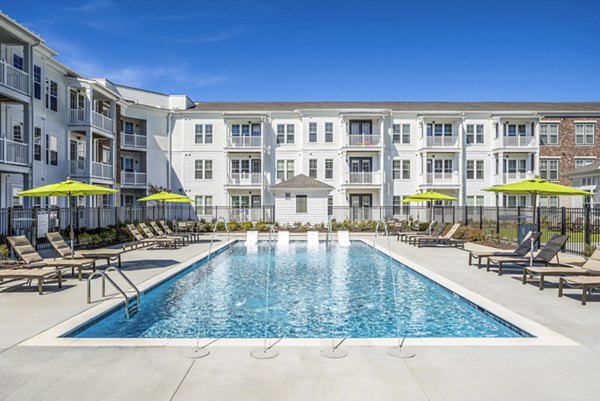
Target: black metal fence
{"x":581,"y":224}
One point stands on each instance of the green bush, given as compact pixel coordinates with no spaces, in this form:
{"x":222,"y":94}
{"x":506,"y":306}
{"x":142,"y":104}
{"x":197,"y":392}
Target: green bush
{"x":470,"y":234}
{"x":220,"y":226}
{"x":246,"y":226}
{"x":588,"y":250}
{"x":233,"y":226}
{"x":262,"y":226}
{"x":3,"y":251}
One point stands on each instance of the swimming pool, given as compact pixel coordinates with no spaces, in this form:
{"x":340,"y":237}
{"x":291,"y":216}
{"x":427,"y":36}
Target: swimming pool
{"x":329,"y":291}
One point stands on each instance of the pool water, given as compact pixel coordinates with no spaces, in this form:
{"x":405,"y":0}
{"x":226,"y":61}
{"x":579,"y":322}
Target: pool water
{"x":329,"y":291}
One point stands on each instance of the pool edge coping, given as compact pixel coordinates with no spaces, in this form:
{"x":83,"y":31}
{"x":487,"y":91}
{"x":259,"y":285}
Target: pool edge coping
{"x":542,"y":336}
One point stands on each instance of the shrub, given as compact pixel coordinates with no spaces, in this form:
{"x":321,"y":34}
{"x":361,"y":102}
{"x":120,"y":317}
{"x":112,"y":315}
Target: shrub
{"x":246,"y":226}
{"x":233,"y":226}
{"x":3,"y":251}
{"x":220,"y":226}
{"x":423,"y":226}
{"x":588,"y":250}
{"x":470,"y":234}
{"x":262,"y":226}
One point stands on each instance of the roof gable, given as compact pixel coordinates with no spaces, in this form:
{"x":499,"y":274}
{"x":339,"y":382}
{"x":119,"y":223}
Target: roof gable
{"x":302,"y":181}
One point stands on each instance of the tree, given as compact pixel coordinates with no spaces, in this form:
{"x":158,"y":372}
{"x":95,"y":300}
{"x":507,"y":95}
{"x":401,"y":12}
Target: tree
{"x":154,"y":189}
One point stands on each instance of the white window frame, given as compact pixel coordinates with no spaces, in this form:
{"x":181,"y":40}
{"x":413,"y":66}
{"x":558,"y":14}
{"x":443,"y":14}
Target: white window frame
{"x":546,"y":169}
{"x":312,"y":132}
{"x":475,"y":134}
{"x":583,"y":136}
{"x":549,"y":134}
{"x":203,"y":169}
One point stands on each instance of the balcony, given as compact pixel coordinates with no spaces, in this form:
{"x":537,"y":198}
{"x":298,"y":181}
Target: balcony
{"x":77,"y":168}
{"x":364,"y":141}
{"x":510,"y":177}
{"x":14,"y":78}
{"x":518,"y":141}
{"x":133,"y":141}
{"x":133,"y":178}
{"x":244,"y":142}
{"x":12,"y":152}
{"x":442,"y":179}
{"x":100,"y":121}
{"x":102,"y":170}
{"x":363,"y":178}
{"x":245,"y":179}
{"x":441,"y":142}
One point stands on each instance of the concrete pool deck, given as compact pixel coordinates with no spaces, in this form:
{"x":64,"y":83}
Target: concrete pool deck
{"x":300,"y":373}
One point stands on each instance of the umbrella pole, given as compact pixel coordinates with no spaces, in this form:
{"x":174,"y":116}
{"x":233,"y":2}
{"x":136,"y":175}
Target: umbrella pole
{"x":71,"y":225}
{"x":533,"y":231}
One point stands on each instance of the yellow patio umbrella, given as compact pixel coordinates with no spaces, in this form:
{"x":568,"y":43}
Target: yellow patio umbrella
{"x":166,"y":197}
{"x":429,"y":196}
{"x":68,"y":188}
{"x":535,"y":187}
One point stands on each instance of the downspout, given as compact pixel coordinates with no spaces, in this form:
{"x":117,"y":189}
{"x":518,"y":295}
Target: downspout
{"x":31,"y":119}
{"x":170,"y":150}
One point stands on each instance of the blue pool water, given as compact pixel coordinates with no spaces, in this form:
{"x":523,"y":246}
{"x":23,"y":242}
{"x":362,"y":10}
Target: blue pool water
{"x":345,"y":292}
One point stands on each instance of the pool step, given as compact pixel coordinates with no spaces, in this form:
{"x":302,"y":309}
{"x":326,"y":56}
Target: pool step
{"x":133,"y":309}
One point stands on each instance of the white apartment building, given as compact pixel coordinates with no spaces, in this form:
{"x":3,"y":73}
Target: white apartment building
{"x":55,"y":123}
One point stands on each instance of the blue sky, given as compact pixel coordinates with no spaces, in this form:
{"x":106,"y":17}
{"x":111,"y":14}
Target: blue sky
{"x":323,"y":50}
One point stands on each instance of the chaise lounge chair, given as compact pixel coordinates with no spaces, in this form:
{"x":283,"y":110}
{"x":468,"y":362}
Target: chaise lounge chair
{"x":544,"y":256}
{"x":21,"y":271}
{"x":590,"y":267}
{"x":436,"y":232}
{"x":149,"y":234}
{"x":445,"y":239}
{"x":192,"y":235}
{"x":27,"y":253}
{"x":64,"y":250}
{"x":522,"y":250}
{"x":159,"y":231}
{"x":586,"y":283}
{"x":403,"y":236}
{"x":141,"y":241}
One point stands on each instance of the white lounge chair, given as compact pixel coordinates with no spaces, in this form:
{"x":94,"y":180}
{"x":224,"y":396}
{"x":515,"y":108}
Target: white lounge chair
{"x":283,"y":239}
{"x":312,"y":239}
{"x":251,"y":238}
{"x":344,"y":238}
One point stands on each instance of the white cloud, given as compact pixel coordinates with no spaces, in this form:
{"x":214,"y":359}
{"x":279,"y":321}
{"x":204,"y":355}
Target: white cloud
{"x":89,"y":6}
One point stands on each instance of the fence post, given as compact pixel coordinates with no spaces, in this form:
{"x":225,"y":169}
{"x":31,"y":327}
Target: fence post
{"x":563,"y":221}
{"x":497,"y":220}
{"x":77,"y":218}
{"x":117,"y":217}
{"x":538,"y":228}
{"x":466,"y":215}
{"x":99,"y":224}
{"x":9,"y":229}
{"x":481,"y":217}
{"x":586,"y":225}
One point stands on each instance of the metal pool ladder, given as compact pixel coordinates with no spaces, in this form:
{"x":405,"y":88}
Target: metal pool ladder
{"x":130,"y":309}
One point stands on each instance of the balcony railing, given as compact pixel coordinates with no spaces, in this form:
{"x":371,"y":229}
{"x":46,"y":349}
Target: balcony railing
{"x":101,"y":121}
{"x":133,"y":178}
{"x":442,"y":178}
{"x":77,"y":168}
{"x":364,"y":177}
{"x":102,"y":170}
{"x":244,"y":141}
{"x":133,"y":140}
{"x":364,"y":140}
{"x":441,"y":141}
{"x":14,"y":78}
{"x":245,"y":178}
{"x":12,"y":152}
{"x":518,"y":141}
{"x":518,"y":176}
{"x":77,"y":117}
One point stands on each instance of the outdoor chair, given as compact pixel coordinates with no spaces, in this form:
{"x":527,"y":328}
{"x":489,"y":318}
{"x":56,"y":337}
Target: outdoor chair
{"x":403,"y":236}
{"x":29,"y":272}
{"x":146,"y":232}
{"x":64,"y":250}
{"x":189,"y":236}
{"x":183,"y":237}
{"x":27,"y":253}
{"x":590,"y":267}
{"x":445,"y":239}
{"x":521,"y":250}
{"x":140,"y":240}
{"x":544,"y":256}
{"x":436,"y":230}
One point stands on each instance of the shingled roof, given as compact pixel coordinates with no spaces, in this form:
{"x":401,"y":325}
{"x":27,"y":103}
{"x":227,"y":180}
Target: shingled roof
{"x":588,"y":168}
{"x":302,"y":181}
{"x":551,"y":107}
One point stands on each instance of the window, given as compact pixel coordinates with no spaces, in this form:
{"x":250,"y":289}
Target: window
{"x":290,"y":169}
{"x":330,"y":205}
{"x":474,"y":169}
{"x":474,"y":134}
{"x":583,"y":162}
{"x":52,"y":150}
{"x":548,"y":134}
{"x":37,"y":144}
{"x":328,"y":132}
{"x":285,"y":133}
{"x":204,"y":169}
{"x":584,"y":134}
{"x":328,"y":169}
{"x":516,"y":166}
{"x":515,"y":200}
{"x":401,"y":133}
{"x":401,"y":170}
{"x":312,"y":132}
{"x":312,"y":168}
{"x":439,"y":129}
{"x":18,"y":132}
{"x":52,"y":95}
{"x":203,"y":133}
{"x":475,"y":200}
{"x":514,"y":129}
{"x":204,"y":204}
{"x":280,"y":169}
{"x":549,"y":201}
{"x":18,"y":62}
{"x":37,"y":82}
{"x":301,"y":204}
{"x":127,"y":163}
{"x":399,"y":207}
{"x":549,"y":169}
